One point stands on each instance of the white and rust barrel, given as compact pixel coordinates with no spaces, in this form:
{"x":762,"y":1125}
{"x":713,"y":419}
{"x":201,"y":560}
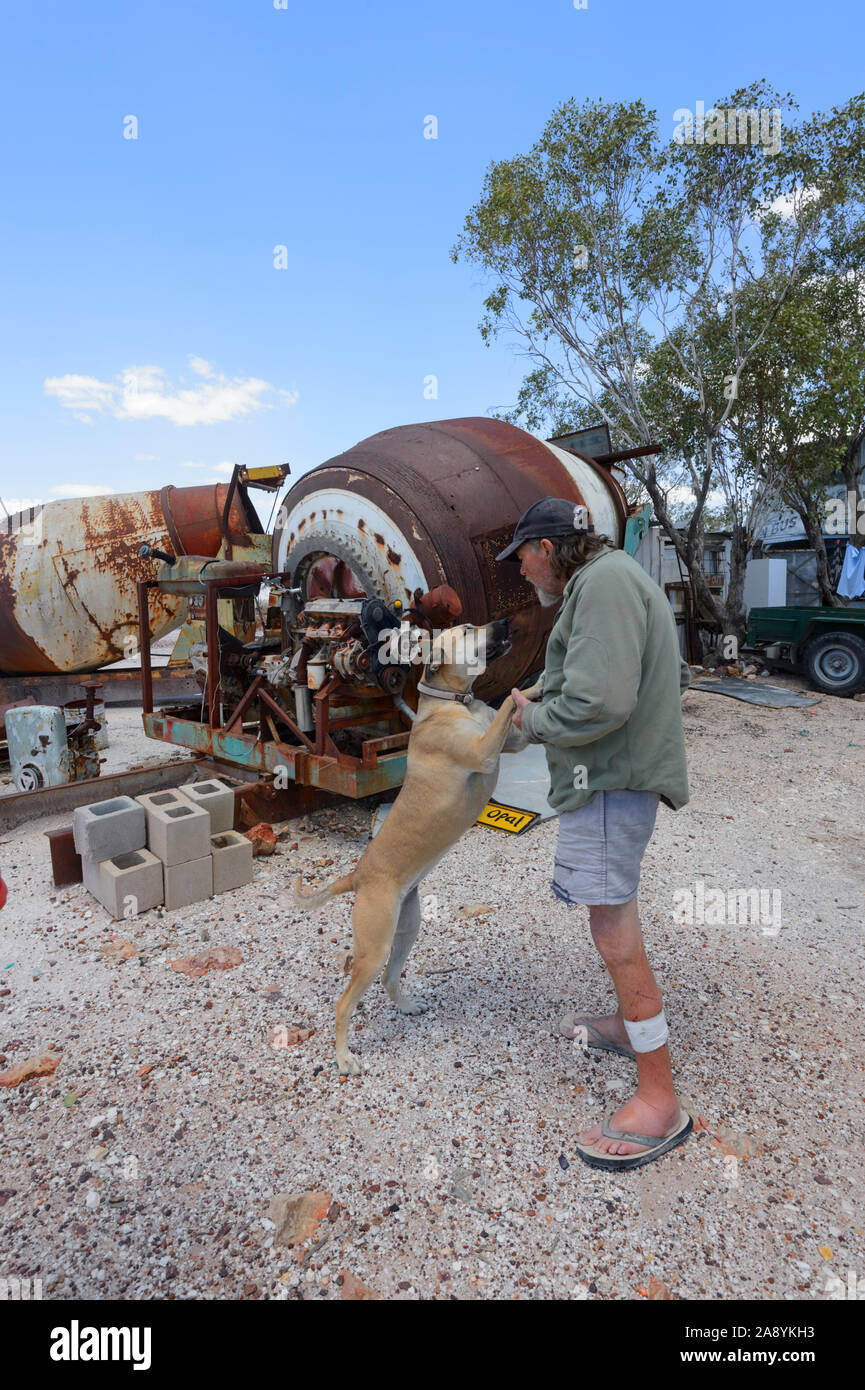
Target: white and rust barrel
{"x":69,"y":572}
{"x":429,"y":504}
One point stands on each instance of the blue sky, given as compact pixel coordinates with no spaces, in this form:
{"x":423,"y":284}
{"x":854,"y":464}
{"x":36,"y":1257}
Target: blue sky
{"x":300,"y":127}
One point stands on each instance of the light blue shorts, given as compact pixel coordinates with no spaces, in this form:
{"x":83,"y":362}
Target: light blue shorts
{"x":601,"y":845}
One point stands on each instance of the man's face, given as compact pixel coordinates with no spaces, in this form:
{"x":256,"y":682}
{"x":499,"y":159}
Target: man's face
{"x":534,"y":557}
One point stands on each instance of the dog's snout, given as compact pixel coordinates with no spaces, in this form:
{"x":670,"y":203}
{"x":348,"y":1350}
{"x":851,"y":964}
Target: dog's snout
{"x":502,"y":629}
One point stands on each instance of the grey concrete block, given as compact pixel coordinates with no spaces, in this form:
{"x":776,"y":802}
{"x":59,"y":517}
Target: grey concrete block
{"x":106,"y":828}
{"x":177,"y":831}
{"x":169,"y":796}
{"x":217,"y":798}
{"x":232,"y":861}
{"x":188,"y":882}
{"x":127,"y":884}
{"x":90,"y":875}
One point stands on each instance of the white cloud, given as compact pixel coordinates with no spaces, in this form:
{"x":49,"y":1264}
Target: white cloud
{"x":193,"y":465}
{"x":80,"y":393}
{"x":789,"y":205}
{"x":80,"y":490}
{"x":146,"y":458}
{"x":145,"y":393}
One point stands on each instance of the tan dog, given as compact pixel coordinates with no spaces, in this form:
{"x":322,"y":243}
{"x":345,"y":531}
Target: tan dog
{"x":451,"y":769}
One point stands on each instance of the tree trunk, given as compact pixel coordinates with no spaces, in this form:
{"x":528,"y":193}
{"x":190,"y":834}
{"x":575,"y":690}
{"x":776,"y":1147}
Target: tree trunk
{"x":689,"y":547}
{"x":814,"y":532}
{"x":735,"y":622}
{"x":810,"y":513}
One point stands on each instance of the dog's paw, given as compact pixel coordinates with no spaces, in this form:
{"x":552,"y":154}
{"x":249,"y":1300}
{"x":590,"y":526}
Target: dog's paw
{"x":408,"y":1005}
{"x":349,"y":1066}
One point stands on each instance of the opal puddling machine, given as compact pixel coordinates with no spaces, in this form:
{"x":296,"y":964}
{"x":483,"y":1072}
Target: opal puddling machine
{"x":402,"y":529}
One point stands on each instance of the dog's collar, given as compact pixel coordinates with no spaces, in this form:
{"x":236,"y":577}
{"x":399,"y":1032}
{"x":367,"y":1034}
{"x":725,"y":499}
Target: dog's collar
{"x":439,"y":694}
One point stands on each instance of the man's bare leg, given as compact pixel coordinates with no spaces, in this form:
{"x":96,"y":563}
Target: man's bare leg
{"x":654,"y":1108}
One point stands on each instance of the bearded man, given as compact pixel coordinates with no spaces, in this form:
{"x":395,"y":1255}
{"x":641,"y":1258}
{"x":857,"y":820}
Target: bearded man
{"x":609,"y":717}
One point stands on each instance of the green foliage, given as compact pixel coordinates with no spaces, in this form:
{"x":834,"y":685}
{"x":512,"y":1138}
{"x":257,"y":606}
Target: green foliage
{"x":696,"y":294}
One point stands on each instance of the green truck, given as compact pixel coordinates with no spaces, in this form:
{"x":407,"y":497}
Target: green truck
{"x":826,"y":644}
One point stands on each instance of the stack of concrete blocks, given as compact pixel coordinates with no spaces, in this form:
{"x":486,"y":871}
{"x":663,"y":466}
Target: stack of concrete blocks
{"x":178,"y":833}
{"x":176,"y":847}
{"x":118,"y":869}
{"x":231,"y":852}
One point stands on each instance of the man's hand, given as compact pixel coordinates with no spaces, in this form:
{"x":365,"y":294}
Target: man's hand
{"x":520,"y":701}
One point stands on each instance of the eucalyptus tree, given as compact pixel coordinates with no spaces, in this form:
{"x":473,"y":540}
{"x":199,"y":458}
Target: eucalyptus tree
{"x":616,"y":254}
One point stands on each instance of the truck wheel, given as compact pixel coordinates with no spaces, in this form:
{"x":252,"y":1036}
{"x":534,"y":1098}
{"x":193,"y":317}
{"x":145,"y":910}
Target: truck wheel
{"x":835,"y":663}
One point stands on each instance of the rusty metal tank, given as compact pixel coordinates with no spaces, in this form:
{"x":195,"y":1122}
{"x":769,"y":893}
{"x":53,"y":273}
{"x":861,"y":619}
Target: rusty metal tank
{"x":429,"y":504}
{"x":69,"y":571}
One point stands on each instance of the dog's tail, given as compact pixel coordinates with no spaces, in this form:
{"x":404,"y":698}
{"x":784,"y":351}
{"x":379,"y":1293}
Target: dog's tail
{"x":319,"y":896}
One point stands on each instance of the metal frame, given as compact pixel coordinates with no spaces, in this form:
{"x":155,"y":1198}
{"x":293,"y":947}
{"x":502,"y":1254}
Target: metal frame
{"x":313,"y":763}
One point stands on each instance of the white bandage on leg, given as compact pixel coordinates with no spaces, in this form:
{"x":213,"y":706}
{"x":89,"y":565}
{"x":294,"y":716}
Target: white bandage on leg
{"x":647,"y":1034}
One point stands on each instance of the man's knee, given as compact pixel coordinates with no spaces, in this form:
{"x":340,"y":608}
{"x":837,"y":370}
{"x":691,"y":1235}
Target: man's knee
{"x":616,"y":932}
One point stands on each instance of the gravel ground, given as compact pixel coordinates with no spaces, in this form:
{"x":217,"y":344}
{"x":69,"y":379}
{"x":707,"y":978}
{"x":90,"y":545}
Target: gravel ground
{"x":146,"y":1165}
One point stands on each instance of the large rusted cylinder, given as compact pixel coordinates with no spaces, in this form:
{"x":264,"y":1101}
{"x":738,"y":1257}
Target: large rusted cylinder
{"x":430,"y":504}
{"x":68,"y":573}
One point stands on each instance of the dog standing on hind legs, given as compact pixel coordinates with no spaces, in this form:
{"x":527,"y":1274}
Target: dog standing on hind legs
{"x":452,"y":767}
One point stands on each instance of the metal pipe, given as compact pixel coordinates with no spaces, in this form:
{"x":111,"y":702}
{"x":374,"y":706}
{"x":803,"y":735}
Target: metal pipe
{"x":211,"y":629}
{"x":303,"y":706}
{"x":404,"y":708}
{"x":144,"y":647}
{"x":189,"y":576}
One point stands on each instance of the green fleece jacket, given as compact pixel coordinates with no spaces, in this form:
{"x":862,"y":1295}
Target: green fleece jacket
{"x":611,"y":702}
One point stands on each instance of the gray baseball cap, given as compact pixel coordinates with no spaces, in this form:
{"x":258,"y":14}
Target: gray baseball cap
{"x":551,"y":517}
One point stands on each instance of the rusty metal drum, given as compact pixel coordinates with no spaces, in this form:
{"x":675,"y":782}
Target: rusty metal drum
{"x":69,"y":571}
{"x":429,"y":504}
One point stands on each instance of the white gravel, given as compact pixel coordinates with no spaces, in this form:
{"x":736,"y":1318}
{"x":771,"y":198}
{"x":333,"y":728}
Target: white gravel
{"x":452,"y":1158}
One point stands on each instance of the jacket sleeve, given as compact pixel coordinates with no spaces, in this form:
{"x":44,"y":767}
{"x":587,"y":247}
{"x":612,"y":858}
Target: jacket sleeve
{"x":601,"y":672}
{"x":684,"y":678}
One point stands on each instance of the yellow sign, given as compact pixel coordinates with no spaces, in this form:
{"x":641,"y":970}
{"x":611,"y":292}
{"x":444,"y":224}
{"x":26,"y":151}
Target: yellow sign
{"x":506,"y":817}
{"x":269,"y":478}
